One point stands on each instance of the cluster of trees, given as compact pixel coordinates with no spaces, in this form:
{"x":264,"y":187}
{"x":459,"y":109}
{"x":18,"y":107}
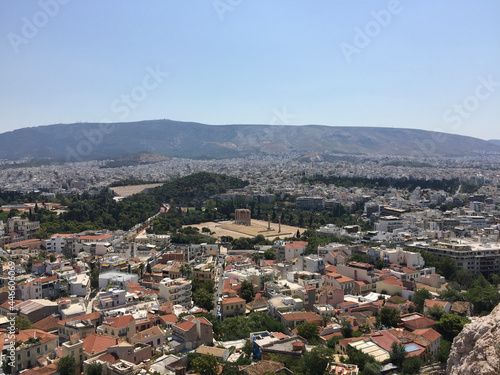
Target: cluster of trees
{"x":240,"y":327}
{"x":196,"y":188}
{"x":203,"y":294}
{"x":448,"y":185}
{"x":477,"y":290}
{"x":87,"y":212}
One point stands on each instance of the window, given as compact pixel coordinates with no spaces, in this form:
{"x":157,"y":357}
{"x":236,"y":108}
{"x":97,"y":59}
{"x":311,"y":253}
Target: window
{"x":38,"y":350}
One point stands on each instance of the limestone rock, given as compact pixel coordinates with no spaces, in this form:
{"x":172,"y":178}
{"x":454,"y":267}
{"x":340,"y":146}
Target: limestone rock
{"x":476,"y":350}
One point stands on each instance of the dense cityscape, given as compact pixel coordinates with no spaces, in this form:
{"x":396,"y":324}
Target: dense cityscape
{"x":282,"y":264}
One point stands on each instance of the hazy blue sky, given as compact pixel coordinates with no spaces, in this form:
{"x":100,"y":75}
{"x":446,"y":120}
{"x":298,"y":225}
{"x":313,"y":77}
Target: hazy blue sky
{"x":425,"y":64}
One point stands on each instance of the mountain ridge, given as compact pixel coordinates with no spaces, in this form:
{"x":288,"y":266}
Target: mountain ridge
{"x":88,"y":141}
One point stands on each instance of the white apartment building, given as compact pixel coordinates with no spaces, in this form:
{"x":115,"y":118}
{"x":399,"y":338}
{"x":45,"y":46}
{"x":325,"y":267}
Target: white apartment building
{"x":177,"y":291}
{"x":388,"y":223}
{"x":117,"y":278}
{"x":310,"y":263}
{"x":111,"y":298}
{"x":79,"y":285}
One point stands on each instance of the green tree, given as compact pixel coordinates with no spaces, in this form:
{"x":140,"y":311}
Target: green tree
{"x":447,"y":267}
{"x":398,"y":354}
{"x":495,"y":279}
{"x":248,"y":348}
{"x":435,"y":312}
{"x":203,"y":299}
{"x":419,"y":298}
{"x":314,"y":362}
{"x":412,"y":366}
{"x":66,"y":365}
{"x":309,"y":331}
{"x":205,"y":364}
{"x":450,"y":326}
{"x":464,"y":278}
{"x":372,"y":368}
{"x":94,"y":278}
{"x":388,"y":317}
{"x":346,"y":329}
{"x":357,"y":357}
{"x":23,"y":323}
{"x":269,"y":254}
{"x":452,"y":293}
{"x":483,"y":296}
{"x":247,"y":291}
{"x":42,"y":234}
{"x":94,"y":368}
{"x":333,"y":342}
{"x":444,"y":351}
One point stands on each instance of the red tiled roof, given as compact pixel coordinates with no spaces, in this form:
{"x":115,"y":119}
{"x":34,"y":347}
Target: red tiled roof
{"x":95,"y":343}
{"x":435,"y":302}
{"x":429,"y":333}
{"x":296,"y":244}
{"x":92,"y":316}
{"x":44,"y":370}
{"x":307,"y":316}
{"x":420,"y":322}
{"x":47,"y":324}
{"x":109,"y":357}
{"x":169,"y":318}
{"x":45,"y":279}
{"x":147,"y":333}
{"x":279,"y":335}
{"x":185,"y":326}
{"x":119,"y":321}
{"x":232,"y":300}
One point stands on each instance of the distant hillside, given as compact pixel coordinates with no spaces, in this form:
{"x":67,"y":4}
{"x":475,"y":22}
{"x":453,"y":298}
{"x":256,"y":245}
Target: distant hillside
{"x":495,"y":141}
{"x":79,"y":141}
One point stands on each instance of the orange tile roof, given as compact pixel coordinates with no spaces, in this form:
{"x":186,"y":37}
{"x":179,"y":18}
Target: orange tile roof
{"x":169,"y":318}
{"x":232,"y":300}
{"x":92,"y":316}
{"x":47,"y":324}
{"x":435,"y":302}
{"x":307,"y":316}
{"x":94,"y":343}
{"x":147,"y":333}
{"x":44,"y":370}
{"x":45,"y":279}
{"x":119,"y":321}
{"x":296,"y":244}
{"x":185,"y":326}
{"x":429,"y":333}
{"x":109,"y":357}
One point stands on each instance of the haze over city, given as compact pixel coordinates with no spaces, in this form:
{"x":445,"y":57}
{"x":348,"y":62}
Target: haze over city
{"x":412,"y":64}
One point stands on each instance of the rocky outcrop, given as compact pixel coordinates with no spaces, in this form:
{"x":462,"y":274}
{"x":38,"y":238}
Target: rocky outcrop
{"x":476,"y":350}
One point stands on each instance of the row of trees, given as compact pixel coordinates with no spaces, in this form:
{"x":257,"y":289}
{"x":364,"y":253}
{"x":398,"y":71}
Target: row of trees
{"x":448,"y":185}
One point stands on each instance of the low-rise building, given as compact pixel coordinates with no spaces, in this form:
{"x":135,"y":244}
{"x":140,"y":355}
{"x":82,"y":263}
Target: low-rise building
{"x":177,"y":291}
{"x":153,"y":336}
{"x":233,"y":306}
{"x":191,"y":333}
